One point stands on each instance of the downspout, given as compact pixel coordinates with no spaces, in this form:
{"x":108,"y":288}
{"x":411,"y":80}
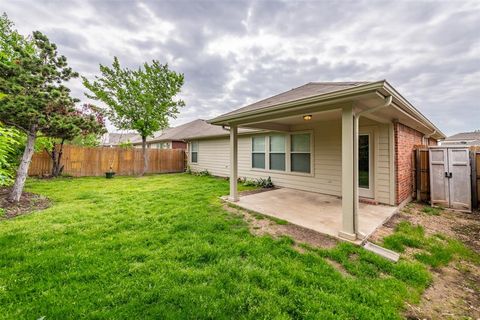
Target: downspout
{"x":387,"y":102}
{"x":427,"y":136}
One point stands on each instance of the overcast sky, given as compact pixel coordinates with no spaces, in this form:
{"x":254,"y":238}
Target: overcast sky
{"x":236,"y":52}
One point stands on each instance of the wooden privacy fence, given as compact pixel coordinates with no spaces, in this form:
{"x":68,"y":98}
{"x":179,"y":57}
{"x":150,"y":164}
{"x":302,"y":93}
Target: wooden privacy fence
{"x":421,"y":171}
{"x":82,"y":161}
{"x":475,"y":152}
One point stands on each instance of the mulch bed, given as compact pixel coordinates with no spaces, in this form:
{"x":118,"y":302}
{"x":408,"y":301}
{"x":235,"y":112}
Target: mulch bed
{"x":28,"y":202}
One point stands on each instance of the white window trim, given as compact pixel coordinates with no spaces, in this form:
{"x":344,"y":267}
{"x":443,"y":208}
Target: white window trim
{"x":287,"y":154}
{"x":264,"y":151}
{"x":191,"y":151}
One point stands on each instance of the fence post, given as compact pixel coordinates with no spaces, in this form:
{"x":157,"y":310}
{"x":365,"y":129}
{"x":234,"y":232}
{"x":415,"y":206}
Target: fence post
{"x":474,"y":177}
{"x":418,"y":174}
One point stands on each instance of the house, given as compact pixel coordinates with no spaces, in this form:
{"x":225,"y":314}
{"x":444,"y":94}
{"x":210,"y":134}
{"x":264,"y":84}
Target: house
{"x":164,"y":139}
{"x":174,"y":138}
{"x":341,"y":151}
{"x":463,"y":139}
{"x":113,"y":139}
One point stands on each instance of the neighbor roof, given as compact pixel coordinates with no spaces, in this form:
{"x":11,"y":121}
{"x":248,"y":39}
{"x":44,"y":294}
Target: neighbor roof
{"x":195,"y":129}
{"x":475,"y":135}
{"x":308,"y":90}
{"x":115,"y":138}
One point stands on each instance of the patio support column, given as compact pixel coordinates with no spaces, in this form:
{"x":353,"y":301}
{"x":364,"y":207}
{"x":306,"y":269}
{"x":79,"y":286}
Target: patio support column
{"x":348,"y":183}
{"x":233,"y":162}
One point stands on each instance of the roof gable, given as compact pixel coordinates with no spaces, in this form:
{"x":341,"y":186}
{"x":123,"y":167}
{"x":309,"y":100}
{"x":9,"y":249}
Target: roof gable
{"x":308,"y":90}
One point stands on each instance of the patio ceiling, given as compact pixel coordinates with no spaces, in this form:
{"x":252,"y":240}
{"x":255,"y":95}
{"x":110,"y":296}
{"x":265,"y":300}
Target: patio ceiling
{"x":283,"y":124}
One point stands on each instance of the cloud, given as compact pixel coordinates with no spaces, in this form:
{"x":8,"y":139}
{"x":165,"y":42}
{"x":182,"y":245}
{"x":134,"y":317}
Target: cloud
{"x":236,"y":52}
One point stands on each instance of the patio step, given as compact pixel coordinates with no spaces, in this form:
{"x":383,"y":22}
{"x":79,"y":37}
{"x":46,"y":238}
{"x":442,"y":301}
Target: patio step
{"x":383,"y":252}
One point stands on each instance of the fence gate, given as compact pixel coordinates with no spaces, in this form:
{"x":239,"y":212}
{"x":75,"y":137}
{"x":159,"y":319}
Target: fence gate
{"x":450,"y":178}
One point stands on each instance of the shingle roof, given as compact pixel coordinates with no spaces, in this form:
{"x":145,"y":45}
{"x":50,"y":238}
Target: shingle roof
{"x":308,"y":90}
{"x":195,"y":129}
{"x":475,"y":135}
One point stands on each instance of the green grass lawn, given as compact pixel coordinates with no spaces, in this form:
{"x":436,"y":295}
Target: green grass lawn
{"x":163,"y":247}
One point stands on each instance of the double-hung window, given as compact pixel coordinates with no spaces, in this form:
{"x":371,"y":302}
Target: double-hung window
{"x":194,"y":151}
{"x":258,"y":152}
{"x":291,"y":153}
{"x":300,"y":153}
{"x":277,"y":152}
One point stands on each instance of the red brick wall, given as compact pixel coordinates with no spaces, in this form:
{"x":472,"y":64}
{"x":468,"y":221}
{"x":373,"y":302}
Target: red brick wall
{"x":179,"y":145}
{"x":405,"y":140}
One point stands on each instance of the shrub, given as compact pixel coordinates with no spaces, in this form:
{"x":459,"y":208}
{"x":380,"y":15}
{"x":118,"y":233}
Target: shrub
{"x":10,"y":143}
{"x":260,"y":182}
{"x":203,"y":173}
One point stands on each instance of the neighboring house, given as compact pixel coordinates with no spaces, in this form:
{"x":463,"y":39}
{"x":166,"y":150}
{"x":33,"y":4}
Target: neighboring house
{"x":463,"y":139}
{"x":113,"y":139}
{"x":174,"y":138}
{"x":162,"y":140}
{"x":306,"y":139}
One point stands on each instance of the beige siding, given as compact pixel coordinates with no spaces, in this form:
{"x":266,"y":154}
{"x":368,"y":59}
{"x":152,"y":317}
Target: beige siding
{"x":382,"y":165}
{"x":214,"y":156}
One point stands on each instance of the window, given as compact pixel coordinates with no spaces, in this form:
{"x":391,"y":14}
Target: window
{"x":258,"y":152}
{"x":291,"y":153}
{"x":364,"y":161}
{"x":277,"y":152}
{"x":194,"y":151}
{"x":300,"y":153}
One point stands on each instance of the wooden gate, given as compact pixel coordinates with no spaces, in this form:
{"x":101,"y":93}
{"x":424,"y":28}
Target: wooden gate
{"x":450,"y":178}
{"x":475,"y":156}
{"x":422,"y":174}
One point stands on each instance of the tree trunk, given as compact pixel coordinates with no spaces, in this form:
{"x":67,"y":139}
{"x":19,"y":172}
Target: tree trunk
{"x":53,"y":156}
{"x":57,"y":157}
{"x":144,"y":153}
{"x":22,"y":171}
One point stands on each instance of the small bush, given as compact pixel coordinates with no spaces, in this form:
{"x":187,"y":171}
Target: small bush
{"x":260,"y":182}
{"x":203,"y":173}
{"x":265,"y":183}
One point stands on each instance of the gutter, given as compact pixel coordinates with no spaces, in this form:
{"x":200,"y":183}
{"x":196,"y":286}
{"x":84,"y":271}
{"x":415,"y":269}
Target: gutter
{"x":387,"y":102}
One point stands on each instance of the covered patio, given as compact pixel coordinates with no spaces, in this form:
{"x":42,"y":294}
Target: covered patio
{"x":315,"y":211}
{"x":347,"y":153}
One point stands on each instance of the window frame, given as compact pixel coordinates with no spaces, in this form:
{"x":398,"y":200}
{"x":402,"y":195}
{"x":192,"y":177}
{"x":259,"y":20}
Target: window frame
{"x":288,"y":167}
{"x":310,"y":152}
{"x":285,"y":152}
{"x":191,"y":150}
{"x":252,"y":151}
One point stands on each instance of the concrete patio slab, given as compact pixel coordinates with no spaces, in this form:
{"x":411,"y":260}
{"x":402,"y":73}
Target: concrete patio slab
{"x":319,"y":212}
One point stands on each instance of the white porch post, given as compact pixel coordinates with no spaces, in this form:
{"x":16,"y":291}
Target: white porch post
{"x":233,"y":162}
{"x":348,"y":177}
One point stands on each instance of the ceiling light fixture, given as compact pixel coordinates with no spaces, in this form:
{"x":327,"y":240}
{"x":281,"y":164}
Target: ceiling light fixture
{"x":307,"y":117}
